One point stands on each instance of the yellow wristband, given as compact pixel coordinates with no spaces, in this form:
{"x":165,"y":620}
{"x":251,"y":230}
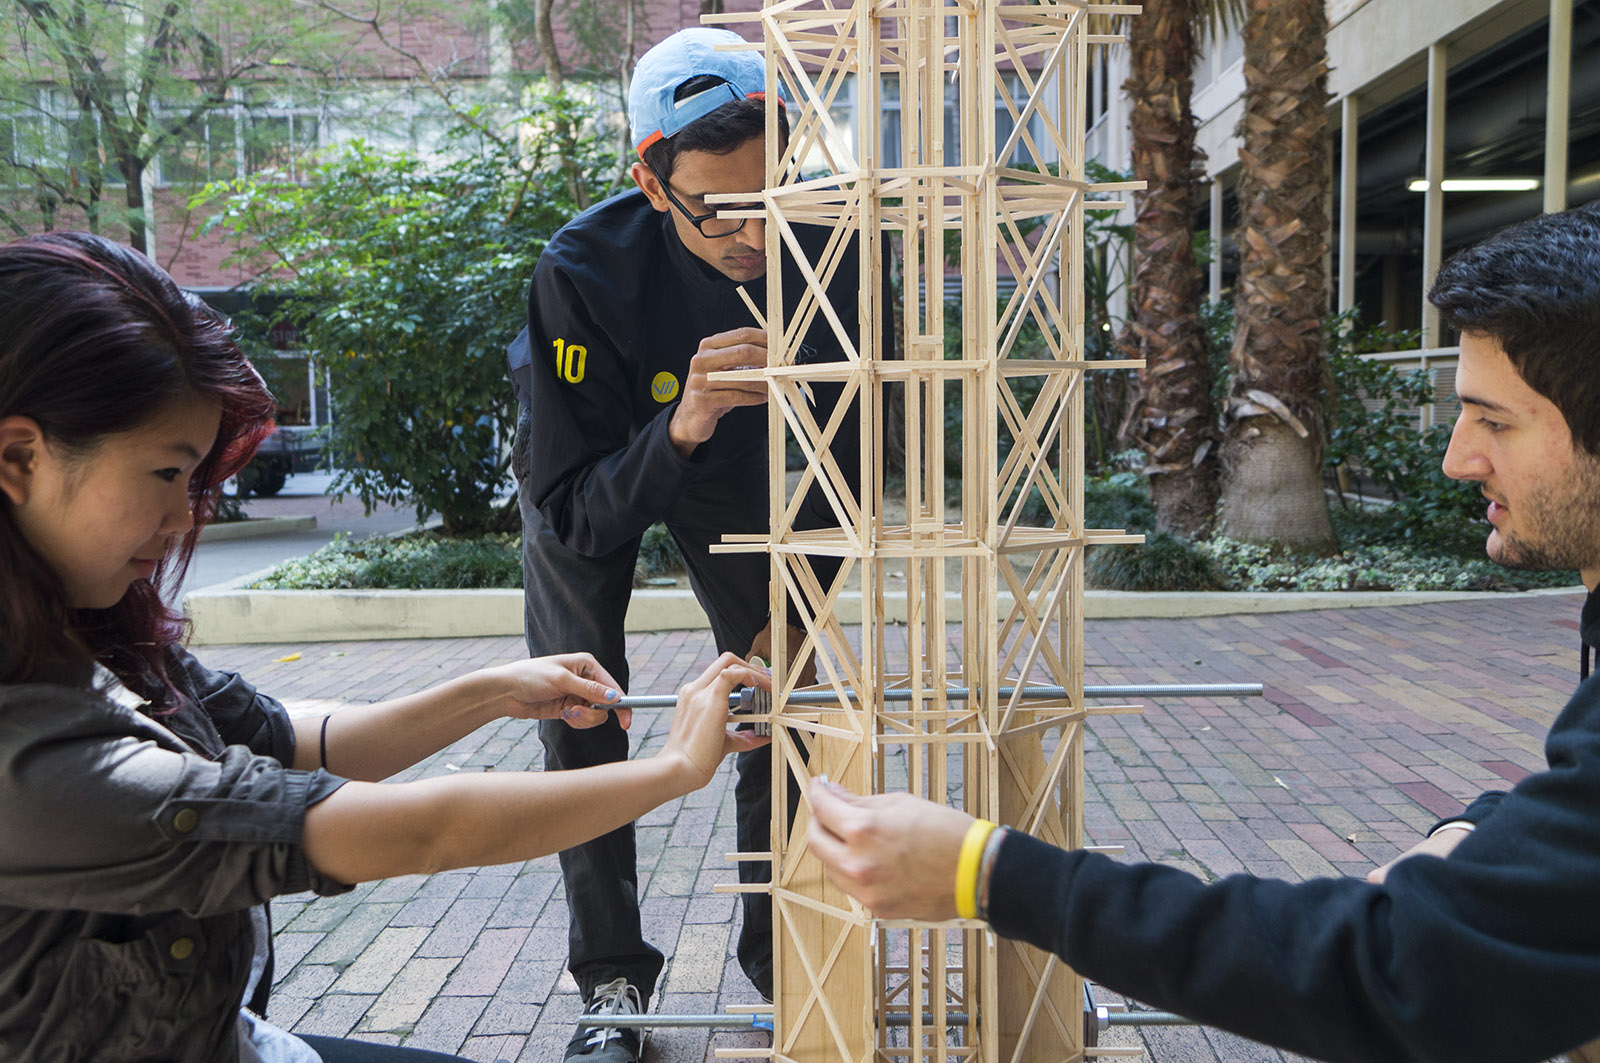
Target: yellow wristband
{"x":967,"y":868}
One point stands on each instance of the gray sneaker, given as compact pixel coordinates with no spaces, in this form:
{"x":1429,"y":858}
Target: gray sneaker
{"x":609,"y":1044}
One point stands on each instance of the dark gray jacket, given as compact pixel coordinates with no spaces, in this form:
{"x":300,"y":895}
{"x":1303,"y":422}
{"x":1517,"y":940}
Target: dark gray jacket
{"x":133,"y":848}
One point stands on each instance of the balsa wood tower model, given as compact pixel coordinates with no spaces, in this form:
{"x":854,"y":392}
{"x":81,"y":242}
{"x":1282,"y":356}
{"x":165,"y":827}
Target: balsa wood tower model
{"x":990,"y":598}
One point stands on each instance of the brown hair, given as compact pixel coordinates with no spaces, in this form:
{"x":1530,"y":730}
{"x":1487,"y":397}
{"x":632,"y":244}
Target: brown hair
{"x":1535,"y":288}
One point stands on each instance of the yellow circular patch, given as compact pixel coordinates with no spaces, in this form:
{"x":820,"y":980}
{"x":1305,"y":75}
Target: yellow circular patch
{"x":664,"y":388}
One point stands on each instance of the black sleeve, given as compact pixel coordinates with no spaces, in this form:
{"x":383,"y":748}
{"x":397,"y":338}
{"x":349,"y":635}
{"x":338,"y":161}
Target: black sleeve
{"x":1479,"y":810}
{"x":846,"y":445}
{"x":596,"y":483}
{"x":1490,"y":955}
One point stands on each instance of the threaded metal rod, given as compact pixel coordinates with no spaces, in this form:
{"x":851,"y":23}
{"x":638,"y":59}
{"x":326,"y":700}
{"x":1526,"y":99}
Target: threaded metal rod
{"x":660,"y":1022}
{"x":735,"y":1022}
{"x":1144,"y":1018}
{"x":722,"y":1021}
{"x":1039,"y":693}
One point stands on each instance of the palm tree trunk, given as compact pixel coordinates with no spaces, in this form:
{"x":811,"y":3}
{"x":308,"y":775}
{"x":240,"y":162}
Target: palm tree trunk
{"x":1163,"y":324}
{"x":1272,"y":480}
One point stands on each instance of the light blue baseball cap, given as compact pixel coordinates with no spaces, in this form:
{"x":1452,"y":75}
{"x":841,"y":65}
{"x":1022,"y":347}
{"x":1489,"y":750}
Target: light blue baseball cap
{"x":652,"y":112}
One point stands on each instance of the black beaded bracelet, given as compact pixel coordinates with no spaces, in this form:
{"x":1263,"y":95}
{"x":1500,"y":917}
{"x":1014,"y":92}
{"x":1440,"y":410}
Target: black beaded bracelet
{"x":991,"y":852}
{"x":324,"y":744}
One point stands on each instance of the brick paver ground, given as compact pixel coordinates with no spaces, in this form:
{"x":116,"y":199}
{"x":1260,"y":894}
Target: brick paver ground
{"x":1375,"y":722}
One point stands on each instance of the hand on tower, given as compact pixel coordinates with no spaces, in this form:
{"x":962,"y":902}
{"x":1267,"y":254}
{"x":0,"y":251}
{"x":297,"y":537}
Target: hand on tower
{"x":705,"y":401}
{"x":761,"y":649}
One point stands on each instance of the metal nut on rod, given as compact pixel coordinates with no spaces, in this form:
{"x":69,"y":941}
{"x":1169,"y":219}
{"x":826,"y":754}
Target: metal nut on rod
{"x":754,"y":701}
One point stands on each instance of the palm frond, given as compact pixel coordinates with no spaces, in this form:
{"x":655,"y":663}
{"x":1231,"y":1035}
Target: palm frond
{"x":1215,"y":17}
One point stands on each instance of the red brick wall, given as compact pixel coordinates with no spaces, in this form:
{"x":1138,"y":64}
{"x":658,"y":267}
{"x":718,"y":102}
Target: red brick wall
{"x":439,"y":39}
{"x":195,"y":261}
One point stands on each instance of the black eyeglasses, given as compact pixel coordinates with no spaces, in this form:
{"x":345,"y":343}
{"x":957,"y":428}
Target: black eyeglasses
{"x":709,"y":225}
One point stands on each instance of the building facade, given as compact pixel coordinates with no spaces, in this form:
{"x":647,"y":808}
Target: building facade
{"x":1497,"y":100}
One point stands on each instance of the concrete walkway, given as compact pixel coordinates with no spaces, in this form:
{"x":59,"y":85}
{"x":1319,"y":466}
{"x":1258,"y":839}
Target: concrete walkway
{"x":1375,"y":722}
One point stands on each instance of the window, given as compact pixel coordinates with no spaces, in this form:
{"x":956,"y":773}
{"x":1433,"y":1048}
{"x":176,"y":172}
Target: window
{"x":1220,"y":50}
{"x":46,"y":127}
{"x":280,"y":139}
{"x":207,"y":151}
{"x":25,"y":127}
{"x":15,"y":136}
{"x":243,"y":136}
{"x":1003,"y":123}
{"x":891,"y":155}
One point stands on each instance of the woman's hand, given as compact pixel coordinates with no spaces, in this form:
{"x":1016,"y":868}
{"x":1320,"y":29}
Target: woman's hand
{"x":894,"y":853}
{"x":566,"y":686}
{"x":700,"y":737}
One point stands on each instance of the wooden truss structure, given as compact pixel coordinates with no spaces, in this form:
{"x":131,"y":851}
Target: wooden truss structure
{"x":988,"y":185}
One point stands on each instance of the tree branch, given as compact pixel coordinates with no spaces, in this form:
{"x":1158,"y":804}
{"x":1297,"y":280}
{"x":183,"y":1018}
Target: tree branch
{"x":433,"y":83}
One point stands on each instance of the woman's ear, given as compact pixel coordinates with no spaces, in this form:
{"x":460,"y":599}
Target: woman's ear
{"x":21,"y":443}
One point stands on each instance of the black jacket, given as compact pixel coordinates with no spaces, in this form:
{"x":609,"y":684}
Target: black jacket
{"x":617,"y":308}
{"x":1492,"y":955}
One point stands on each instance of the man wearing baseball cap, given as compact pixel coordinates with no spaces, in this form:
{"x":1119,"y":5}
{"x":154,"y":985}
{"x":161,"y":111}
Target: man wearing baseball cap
{"x":633,"y":305}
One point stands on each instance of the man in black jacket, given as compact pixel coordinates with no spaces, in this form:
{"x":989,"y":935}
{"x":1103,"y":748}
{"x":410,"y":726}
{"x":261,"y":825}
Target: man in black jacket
{"x":1480,"y":943}
{"x":633,"y":305}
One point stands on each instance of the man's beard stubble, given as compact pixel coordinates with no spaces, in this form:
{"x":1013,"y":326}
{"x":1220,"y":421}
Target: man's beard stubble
{"x":1567,"y":529}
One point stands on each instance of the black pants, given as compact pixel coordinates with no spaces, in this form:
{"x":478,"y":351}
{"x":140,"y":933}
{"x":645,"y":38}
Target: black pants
{"x":574,"y":602}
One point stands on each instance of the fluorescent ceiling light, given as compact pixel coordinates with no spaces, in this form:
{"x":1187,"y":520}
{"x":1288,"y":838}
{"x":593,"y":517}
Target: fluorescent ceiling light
{"x":1479,"y":184}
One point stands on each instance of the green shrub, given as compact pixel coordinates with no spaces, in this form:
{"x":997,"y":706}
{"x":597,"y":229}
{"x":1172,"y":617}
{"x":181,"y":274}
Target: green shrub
{"x":1117,"y":500}
{"x":1374,"y":555}
{"x":1164,"y":562}
{"x":1248,"y":567}
{"x":1121,"y":500}
{"x":1427,"y":522}
{"x":1380,"y":439}
{"x":1419,"y":503}
{"x":431,"y":561}
{"x":420,"y":561}
{"x":658,"y":555}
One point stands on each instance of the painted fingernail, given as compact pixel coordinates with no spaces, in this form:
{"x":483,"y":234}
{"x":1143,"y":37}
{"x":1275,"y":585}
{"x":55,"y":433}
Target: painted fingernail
{"x":611,"y":695}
